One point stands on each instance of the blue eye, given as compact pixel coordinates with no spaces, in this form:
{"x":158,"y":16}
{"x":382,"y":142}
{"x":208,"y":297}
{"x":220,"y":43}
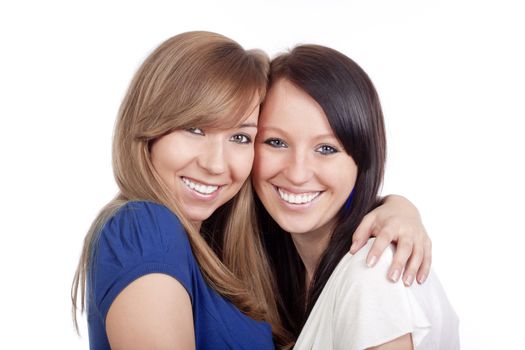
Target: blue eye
{"x":276,"y":143}
{"x":196,"y":131}
{"x":326,"y":150}
{"x":241,"y":138}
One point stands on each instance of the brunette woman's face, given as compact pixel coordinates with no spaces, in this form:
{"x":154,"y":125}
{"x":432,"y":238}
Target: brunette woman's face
{"x":302,"y":173}
{"x":205,"y":168}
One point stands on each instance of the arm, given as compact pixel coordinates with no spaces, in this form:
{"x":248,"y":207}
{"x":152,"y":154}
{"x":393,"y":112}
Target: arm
{"x":142,"y":280}
{"x":402,"y":343}
{"x":153,"y":312}
{"x":397,"y":220}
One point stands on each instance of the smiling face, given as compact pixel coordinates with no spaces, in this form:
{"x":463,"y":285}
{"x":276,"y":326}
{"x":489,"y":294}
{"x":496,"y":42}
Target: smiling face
{"x":301,"y":172}
{"x":205,"y":168}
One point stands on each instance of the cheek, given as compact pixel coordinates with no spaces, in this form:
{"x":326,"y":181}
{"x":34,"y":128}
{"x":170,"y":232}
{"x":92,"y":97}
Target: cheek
{"x":160,"y":156}
{"x":265,"y":166}
{"x":168,"y":156}
{"x":241,"y":162}
{"x":343,"y":180}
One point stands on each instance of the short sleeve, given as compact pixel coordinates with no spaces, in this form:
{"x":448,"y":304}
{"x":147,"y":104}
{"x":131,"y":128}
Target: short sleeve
{"x":369,"y":309}
{"x":141,"y":238}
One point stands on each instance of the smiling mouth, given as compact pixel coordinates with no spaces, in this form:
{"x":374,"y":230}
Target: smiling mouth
{"x":297,"y":198}
{"x":199,"y":187}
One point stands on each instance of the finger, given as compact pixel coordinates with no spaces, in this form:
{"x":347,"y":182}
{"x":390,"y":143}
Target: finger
{"x":362,"y":233}
{"x":424,"y":269}
{"x":403,"y":252}
{"x":381,"y":242}
{"x":414,"y":263}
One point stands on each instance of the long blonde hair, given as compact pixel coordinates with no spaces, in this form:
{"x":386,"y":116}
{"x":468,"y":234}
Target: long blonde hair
{"x":194,"y":79}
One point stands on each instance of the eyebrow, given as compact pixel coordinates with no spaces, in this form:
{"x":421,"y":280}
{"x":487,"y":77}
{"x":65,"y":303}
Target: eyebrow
{"x":248,"y":125}
{"x":277,"y":129}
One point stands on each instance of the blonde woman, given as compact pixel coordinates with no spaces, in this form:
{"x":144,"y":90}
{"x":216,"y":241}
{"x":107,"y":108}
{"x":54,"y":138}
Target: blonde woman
{"x":174,"y":261}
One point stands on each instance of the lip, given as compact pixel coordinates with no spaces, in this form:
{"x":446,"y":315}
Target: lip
{"x":197,"y":195}
{"x":296,"y":191}
{"x":199,"y":181}
{"x":294,"y":206}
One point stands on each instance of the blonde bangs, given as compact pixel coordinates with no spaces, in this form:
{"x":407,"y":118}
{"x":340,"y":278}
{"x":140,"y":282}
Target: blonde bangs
{"x":235,"y":84}
{"x":227,"y":111}
{"x":217,"y":88}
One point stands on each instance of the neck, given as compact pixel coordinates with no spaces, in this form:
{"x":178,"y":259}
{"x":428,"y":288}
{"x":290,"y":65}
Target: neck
{"x":197,"y":225}
{"x":311,"y":246}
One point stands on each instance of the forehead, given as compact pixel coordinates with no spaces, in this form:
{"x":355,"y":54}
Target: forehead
{"x":286,"y":104}
{"x":253,"y":115}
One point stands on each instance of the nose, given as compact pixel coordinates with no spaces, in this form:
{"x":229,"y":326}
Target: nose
{"x":299,"y":169}
{"x":212,"y":158}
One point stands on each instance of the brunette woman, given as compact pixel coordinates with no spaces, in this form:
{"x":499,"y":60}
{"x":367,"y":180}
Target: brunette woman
{"x":320,"y":155}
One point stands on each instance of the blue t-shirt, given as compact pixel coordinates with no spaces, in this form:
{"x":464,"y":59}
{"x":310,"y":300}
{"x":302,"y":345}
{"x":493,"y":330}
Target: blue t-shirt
{"x":143,"y":238}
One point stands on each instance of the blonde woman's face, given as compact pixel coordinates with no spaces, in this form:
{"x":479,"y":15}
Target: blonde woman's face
{"x":205,"y":168}
{"x":301,"y":173}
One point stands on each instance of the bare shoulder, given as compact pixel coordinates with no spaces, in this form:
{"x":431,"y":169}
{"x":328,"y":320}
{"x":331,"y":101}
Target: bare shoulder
{"x":402,"y":343}
{"x":152,"y":312}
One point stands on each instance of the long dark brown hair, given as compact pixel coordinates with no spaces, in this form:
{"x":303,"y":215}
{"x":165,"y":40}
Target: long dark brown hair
{"x":351,"y":105}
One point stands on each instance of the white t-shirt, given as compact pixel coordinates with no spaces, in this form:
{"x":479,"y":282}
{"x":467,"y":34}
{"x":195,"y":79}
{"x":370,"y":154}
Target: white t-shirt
{"x":360,"y":307}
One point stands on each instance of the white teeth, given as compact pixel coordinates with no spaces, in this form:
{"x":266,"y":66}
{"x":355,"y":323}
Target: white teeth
{"x":298,"y":198}
{"x":201,"y":188}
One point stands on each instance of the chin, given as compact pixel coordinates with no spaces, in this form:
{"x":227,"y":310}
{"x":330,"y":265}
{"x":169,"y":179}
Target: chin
{"x":198,"y":215}
{"x":295,"y":227}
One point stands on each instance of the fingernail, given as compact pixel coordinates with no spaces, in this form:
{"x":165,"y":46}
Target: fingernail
{"x":371,"y":261}
{"x":355,"y":243}
{"x":422,"y":279}
{"x":394,"y":276}
{"x":408,"y":280}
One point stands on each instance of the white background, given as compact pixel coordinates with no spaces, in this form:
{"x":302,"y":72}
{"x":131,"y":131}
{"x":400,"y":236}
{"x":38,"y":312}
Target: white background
{"x":450,"y":75}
